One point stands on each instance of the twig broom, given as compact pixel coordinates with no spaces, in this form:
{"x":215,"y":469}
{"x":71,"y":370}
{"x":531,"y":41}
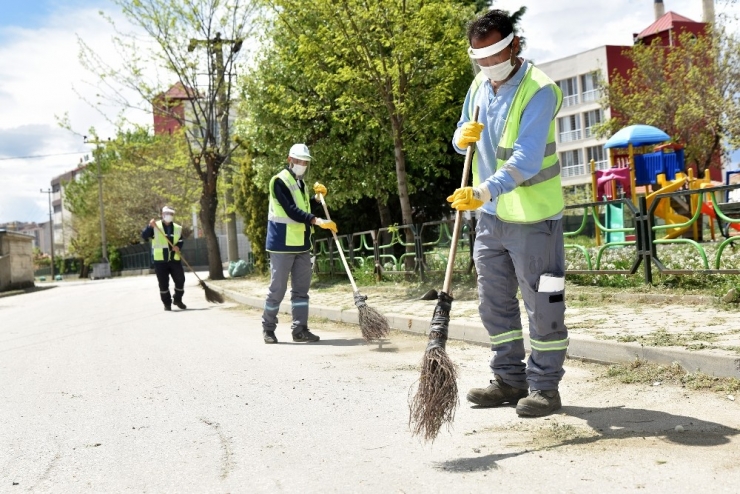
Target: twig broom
{"x":436,"y":395}
{"x":373,"y":324}
{"x":211,"y":295}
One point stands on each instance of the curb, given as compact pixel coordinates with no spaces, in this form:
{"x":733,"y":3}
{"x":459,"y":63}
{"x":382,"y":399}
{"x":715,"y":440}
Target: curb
{"x":580,"y":347}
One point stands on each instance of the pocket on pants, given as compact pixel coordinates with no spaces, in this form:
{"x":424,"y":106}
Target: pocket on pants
{"x":550,"y":312}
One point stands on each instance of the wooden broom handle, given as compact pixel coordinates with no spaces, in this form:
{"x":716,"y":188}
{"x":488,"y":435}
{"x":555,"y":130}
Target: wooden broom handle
{"x":339,"y":246}
{"x":458,"y":214}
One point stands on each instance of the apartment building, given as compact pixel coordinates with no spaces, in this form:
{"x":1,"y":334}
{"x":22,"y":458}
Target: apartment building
{"x":61,"y":216}
{"x":580,"y":78}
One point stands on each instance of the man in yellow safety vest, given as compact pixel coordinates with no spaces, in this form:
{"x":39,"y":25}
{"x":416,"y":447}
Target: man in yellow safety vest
{"x":167,"y":259}
{"x":518,"y":198}
{"x":289,"y":242}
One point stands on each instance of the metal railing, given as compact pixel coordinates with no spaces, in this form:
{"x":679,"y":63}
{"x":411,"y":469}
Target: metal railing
{"x":388,"y":252}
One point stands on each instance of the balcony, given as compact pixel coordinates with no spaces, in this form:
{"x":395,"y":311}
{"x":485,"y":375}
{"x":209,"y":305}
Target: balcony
{"x":602,"y":165}
{"x":592,"y":95}
{"x":589,"y":132}
{"x":570,"y":136}
{"x":570,"y":100}
{"x":573,"y":171}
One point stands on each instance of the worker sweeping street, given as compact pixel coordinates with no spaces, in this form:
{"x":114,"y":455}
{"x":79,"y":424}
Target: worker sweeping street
{"x":519,"y":235}
{"x":167,"y":241}
{"x":289,"y":241}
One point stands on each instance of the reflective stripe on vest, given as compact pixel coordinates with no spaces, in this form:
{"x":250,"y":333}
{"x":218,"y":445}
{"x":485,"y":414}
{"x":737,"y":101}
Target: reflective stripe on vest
{"x":294,"y":231}
{"x":540,"y":196}
{"x":159,"y":242}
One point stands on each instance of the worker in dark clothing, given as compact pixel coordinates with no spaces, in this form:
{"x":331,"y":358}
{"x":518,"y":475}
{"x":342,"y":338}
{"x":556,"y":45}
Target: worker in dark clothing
{"x":167,"y":261}
{"x":289,"y":227}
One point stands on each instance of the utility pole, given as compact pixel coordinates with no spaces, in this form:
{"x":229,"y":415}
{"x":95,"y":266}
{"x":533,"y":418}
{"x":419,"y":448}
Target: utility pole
{"x":215,"y":49}
{"x":51,"y":230}
{"x":97,"y":156}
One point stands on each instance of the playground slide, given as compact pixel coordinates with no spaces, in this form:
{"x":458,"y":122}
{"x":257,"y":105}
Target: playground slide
{"x":708,"y":209}
{"x":664,"y":209}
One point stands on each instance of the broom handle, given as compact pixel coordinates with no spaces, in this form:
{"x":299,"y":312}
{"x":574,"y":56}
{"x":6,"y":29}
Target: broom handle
{"x":339,"y":246}
{"x":458,"y":215}
{"x":181,"y":256}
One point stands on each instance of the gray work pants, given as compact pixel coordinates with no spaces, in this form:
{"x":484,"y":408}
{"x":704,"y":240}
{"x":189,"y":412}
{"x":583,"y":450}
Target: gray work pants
{"x":298,"y":267}
{"x":510,"y":256}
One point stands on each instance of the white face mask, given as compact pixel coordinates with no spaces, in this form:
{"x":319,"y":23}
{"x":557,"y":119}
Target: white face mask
{"x":168,"y":218}
{"x":299,"y":170}
{"x":498,"y":72}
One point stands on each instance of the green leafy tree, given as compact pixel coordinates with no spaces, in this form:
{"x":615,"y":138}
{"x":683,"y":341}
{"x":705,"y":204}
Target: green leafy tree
{"x":688,"y":90}
{"x":196,"y":43}
{"x":140,"y":173}
{"x":375,"y":89}
{"x":252,"y":203}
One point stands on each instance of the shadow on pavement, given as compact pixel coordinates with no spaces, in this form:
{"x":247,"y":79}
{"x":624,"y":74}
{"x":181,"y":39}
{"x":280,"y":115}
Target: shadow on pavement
{"x":613,"y":423}
{"x":350,"y":342}
{"x":622,"y":422}
{"x":23,"y":291}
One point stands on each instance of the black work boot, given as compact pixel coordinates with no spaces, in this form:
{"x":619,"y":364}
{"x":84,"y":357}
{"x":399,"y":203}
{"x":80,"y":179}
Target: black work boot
{"x":496,"y":394}
{"x":305,"y":336}
{"x":539,"y":403}
{"x":167,"y":307}
{"x":269,"y":337}
{"x":180,"y":305}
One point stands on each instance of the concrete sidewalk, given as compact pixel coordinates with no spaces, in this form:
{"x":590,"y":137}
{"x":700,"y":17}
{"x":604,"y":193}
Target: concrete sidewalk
{"x":696,"y":332}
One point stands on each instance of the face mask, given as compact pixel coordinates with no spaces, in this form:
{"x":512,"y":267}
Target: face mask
{"x":498,"y":72}
{"x":299,"y":170}
{"x":168,"y":218}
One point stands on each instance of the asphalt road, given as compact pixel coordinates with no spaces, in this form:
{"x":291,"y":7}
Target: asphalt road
{"x":103,"y":391}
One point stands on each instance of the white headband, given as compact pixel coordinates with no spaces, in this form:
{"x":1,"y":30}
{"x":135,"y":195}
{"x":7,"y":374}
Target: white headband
{"x":479,"y":53}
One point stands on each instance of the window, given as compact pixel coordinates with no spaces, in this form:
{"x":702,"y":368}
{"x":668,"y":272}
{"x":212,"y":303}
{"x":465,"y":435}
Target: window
{"x":55,"y":188}
{"x":591,"y":88}
{"x":598,"y":154}
{"x":569,"y":87}
{"x":58,"y":208}
{"x":569,"y":128}
{"x":591,"y":118}
{"x":572,"y":163}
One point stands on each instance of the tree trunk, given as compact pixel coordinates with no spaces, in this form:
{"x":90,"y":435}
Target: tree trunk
{"x":385,"y":220}
{"x":208,"y":208}
{"x":403,"y":190}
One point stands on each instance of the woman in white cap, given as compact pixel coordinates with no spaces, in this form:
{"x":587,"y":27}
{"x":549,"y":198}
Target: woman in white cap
{"x":167,"y":260}
{"x":289,"y":231}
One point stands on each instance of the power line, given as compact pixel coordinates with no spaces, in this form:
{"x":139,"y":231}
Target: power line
{"x":40,"y":156}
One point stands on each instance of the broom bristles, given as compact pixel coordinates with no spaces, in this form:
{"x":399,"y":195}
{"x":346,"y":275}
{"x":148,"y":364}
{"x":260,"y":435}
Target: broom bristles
{"x":436,"y":395}
{"x":373,"y":324}
{"x":212,"y":295}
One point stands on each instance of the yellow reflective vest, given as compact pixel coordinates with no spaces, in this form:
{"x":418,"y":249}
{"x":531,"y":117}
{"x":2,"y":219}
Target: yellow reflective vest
{"x":159,"y":242}
{"x":541,"y":196}
{"x":283,"y":233}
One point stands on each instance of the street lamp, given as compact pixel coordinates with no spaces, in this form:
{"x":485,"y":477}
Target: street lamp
{"x":51,"y":231}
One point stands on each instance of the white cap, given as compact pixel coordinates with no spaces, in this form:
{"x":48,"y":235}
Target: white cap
{"x":167,"y":209}
{"x":300,"y":152}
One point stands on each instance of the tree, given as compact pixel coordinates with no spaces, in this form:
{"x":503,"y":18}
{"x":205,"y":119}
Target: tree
{"x":197,"y":43}
{"x":688,"y":90}
{"x":140,"y":174}
{"x":375,"y":89}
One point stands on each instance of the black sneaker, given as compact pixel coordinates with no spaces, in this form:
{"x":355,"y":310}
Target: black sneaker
{"x":269,"y":337}
{"x":167,"y":307}
{"x":180,"y":305}
{"x":496,"y":394}
{"x":305,"y":336}
{"x":539,"y":403}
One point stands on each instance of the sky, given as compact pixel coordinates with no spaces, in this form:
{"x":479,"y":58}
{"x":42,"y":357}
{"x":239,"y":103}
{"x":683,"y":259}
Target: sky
{"x":41,"y":79}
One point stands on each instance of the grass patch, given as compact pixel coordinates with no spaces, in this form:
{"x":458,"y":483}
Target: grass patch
{"x":643,"y":372}
{"x":691,"y":340}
